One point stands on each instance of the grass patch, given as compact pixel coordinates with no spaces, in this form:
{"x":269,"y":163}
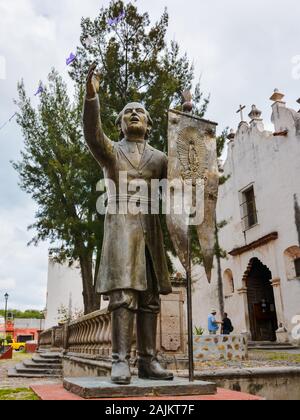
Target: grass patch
{"x":275,"y":356}
{"x":18,"y":394}
{"x":18,"y":357}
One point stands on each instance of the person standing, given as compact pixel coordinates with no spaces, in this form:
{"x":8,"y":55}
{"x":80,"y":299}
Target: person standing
{"x":227,"y":327}
{"x":213,"y":324}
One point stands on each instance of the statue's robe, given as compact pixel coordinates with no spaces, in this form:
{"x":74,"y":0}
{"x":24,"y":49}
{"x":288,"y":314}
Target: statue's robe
{"x":127,"y":236}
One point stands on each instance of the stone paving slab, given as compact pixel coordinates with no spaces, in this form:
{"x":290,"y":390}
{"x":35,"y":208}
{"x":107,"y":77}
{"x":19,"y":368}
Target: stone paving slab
{"x":58,"y":393}
{"x":103,"y":388}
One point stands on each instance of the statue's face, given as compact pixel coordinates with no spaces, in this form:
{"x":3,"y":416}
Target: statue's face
{"x":135,"y":120}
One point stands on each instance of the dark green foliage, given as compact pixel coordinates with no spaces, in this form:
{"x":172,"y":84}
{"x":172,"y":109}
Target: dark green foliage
{"x":29,"y":314}
{"x":221,"y":142}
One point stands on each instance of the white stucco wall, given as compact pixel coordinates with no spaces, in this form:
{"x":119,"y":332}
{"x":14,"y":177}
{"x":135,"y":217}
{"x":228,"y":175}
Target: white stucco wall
{"x":64,"y":289}
{"x":205,"y":297}
{"x":272,"y":164}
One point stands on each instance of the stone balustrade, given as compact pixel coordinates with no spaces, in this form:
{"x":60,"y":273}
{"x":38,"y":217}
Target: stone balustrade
{"x":53,"y":339}
{"x":46,"y":339}
{"x":90,"y":335}
{"x":58,"y":339}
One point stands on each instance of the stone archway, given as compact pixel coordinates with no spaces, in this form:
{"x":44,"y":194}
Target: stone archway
{"x":261,"y":301}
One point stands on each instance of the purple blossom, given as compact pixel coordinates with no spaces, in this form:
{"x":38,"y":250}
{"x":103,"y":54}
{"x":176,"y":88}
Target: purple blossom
{"x":40,"y":90}
{"x":122,"y":15}
{"x":112,"y":22}
{"x":116,"y":20}
{"x":70,"y":59}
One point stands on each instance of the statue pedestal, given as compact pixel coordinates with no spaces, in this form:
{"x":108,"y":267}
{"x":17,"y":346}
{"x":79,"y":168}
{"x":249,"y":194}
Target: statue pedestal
{"x":90,"y":388}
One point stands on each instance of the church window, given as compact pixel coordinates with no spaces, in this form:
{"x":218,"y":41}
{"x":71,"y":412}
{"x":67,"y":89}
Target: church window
{"x":292,"y":262}
{"x":297,"y":267}
{"x":228,"y":283}
{"x":248,"y":206}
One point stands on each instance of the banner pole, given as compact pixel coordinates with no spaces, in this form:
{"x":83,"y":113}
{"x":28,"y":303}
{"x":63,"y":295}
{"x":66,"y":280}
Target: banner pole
{"x":190,"y":312}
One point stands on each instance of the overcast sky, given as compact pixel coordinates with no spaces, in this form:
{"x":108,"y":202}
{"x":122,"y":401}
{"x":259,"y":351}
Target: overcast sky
{"x":242,"y":49}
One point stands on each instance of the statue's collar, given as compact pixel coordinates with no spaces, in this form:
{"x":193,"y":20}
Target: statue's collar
{"x":147,"y":153}
{"x":132,"y":146}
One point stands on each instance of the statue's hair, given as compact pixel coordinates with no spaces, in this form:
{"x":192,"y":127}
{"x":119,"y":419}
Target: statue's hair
{"x":134,"y":105}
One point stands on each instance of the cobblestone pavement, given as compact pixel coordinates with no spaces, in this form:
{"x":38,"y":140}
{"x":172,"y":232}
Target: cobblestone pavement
{"x":256,"y":359}
{"x":13,"y":383}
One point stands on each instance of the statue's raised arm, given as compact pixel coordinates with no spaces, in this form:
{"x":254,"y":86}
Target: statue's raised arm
{"x":101,"y":147}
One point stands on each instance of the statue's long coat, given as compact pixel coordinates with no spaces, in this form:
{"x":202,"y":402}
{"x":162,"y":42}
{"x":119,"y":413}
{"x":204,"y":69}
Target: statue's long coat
{"x":126,"y":237}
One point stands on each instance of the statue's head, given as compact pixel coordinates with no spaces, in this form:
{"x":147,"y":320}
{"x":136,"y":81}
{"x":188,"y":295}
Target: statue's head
{"x":134,"y":121}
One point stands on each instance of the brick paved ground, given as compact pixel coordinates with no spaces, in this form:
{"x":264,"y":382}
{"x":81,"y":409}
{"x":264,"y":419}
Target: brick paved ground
{"x":58,"y":393}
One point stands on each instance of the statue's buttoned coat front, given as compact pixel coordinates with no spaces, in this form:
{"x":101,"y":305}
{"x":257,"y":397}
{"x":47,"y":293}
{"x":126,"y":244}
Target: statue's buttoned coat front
{"x":127,"y":236}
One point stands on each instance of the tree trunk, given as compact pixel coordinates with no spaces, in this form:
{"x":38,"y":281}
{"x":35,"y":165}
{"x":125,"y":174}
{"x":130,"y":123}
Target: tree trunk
{"x":91,"y":299}
{"x":220,"y":277}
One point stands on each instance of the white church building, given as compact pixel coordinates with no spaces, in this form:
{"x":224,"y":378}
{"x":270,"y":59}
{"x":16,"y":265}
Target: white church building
{"x":260,"y":202}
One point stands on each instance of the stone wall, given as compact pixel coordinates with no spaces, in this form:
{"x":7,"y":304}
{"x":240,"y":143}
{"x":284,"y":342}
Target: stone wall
{"x":273,"y":384}
{"x":220,"y":347}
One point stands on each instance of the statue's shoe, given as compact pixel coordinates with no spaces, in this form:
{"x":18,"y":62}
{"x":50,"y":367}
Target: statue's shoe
{"x":152,"y":370}
{"x":120,"y":373}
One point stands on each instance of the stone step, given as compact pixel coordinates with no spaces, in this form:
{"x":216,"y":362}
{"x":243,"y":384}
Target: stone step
{"x":21,"y":368}
{"x":38,"y":359}
{"x":50,"y":355}
{"x":42,"y":352}
{"x":273,"y":348}
{"x":270,"y":346}
{"x":33,"y":365}
{"x":264,"y":343}
{"x":12,"y":373}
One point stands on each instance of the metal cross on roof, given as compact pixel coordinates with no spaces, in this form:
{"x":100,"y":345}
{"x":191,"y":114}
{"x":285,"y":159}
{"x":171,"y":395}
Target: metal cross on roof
{"x":240,"y":111}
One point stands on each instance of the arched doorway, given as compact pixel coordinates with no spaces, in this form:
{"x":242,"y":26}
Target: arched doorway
{"x":261,"y":302}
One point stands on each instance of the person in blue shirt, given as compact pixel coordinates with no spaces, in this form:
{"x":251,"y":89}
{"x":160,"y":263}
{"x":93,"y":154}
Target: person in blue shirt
{"x":213,"y":324}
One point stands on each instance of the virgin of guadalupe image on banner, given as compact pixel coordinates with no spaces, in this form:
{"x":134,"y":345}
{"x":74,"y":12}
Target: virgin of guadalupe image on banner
{"x":194,"y":180}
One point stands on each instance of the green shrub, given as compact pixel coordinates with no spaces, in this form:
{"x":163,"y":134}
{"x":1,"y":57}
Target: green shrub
{"x":198,"y":331}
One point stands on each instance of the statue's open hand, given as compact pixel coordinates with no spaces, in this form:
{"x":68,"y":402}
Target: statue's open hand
{"x":92,"y":82}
